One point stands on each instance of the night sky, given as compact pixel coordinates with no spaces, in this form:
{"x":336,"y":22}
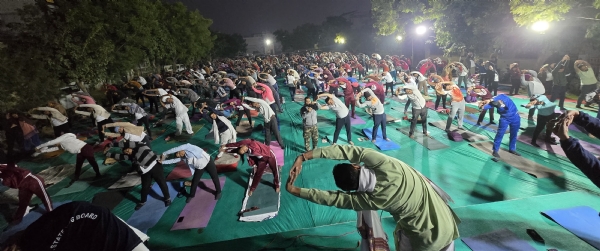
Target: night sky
{"x":248,"y":17}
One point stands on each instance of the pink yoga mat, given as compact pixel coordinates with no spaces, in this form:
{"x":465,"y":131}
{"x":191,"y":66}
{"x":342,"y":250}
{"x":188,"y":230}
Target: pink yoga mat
{"x":278,"y":152}
{"x":197,"y":212}
{"x":181,"y":171}
{"x":357,"y":121}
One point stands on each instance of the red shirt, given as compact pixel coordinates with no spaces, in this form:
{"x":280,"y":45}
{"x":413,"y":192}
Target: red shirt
{"x":255,"y":149}
{"x":12,"y":176}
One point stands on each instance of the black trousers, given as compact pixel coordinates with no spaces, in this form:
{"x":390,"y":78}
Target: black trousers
{"x":339,"y":123}
{"x":153,"y":101}
{"x":585,"y":89}
{"x":416,"y":113}
{"x":240,"y":114}
{"x":312,"y":92}
{"x":144,"y":120}
{"x":541,"y":124}
{"x":235,"y":93}
{"x":559,"y":92}
{"x":155,"y":173}
{"x":139,"y":95}
{"x":61,"y":129}
{"x":100,"y":131}
{"x":515,"y":85}
{"x":482,"y":115}
{"x":437,"y":101}
{"x":493,"y":87}
{"x":389,"y":86}
{"x":212,"y":171}
{"x":271,"y":126}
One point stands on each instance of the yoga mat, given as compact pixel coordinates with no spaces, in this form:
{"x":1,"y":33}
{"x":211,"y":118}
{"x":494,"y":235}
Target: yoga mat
{"x":469,"y":109}
{"x":101,"y":146}
{"x":471,"y":119}
{"x":582,"y":221}
{"x":82,"y":184}
{"x":198,"y":211}
{"x":129,"y":180}
{"x":181,"y":171}
{"x":357,"y":121}
{"x":519,"y":162}
{"x":323,"y":121}
{"x":427,"y":142}
{"x":264,"y":199}
{"x":299,"y":98}
{"x":278,"y":152}
{"x":467,"y":135}
{"x":50,"y":155}
{"x":500,"y":240}
{"x":55,"y":174}
{"x":244,"y":128}
{"x":109,"y":199}
{"x":391,"y":119}
{"x":31,"y":217}
{"x":381,"y":143}
{"x":153,"y":210}
{"x":227,"y":163}
{"x":9,"y":195}
{"x":551,"y":148}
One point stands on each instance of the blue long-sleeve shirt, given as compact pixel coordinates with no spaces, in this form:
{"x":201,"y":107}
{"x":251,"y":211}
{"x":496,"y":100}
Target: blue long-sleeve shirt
{"x":508,"y":110}
{"x":581,"y":158}
{"x":195,"y":157}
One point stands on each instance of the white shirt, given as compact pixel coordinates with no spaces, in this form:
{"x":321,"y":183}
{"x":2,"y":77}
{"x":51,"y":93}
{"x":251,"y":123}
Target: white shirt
{"x":265,"y":109}
{"x":549,"y":76}
{"x":134,"y":138}
{"x":199,"y":163}
{"x":56,"y":122}
{"x":142,"y":80}
{"x":99,"y":118}
{"x":180,"y":108}
{"x":67,"y":141}
{"x":291,"y":79}
{"x":387,"y":78}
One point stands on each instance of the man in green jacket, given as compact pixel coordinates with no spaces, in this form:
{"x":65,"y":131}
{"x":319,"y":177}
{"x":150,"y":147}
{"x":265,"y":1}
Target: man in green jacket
{"x":424,"y":221}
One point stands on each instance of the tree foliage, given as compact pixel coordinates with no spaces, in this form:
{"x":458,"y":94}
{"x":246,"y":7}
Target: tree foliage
{"x":312,"y":36}
{"x":484,"y":25}
{"x":229,"y":45}
{"x":92,"y":41}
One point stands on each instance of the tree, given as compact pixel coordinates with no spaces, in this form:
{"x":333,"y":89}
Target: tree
{"x":227,"y":45}
{"x":91,"y":41}
{"x":312,"y":36}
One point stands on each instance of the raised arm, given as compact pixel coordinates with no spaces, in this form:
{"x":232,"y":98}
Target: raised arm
{"x":591,"y":124}
{"x":57,"y":140}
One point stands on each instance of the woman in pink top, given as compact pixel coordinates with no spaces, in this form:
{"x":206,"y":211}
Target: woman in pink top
{"x":81,"y":99}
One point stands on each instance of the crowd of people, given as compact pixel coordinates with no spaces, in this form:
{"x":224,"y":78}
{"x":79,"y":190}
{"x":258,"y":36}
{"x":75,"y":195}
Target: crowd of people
{"x":224,"y":90}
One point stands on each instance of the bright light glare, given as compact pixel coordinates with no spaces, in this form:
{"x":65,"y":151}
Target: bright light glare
{"x":268,"y":41}
{"x":399,"y":38}
{"x":540,"y":26}
{"x":421,"y":30}
{"x":342,"y":40}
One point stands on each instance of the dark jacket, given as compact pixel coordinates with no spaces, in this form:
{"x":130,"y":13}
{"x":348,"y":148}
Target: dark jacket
{"x":581,"y":158}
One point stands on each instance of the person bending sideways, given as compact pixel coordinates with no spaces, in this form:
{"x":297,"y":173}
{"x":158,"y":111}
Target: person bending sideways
{"x":581,"y":158}
{"x":379,"y":118}
{"x":197,"y":159}
{"x":78,"y":225}
{"x":28,"y":184}
{"x":271,"y":124}
{"x":424,"y":220}
{"x":418,"y":108}
{"x":259,"y":157}
{"x":509,"y":117}
{"x":70,"y":143}
{"x":342,"y":116}
{"x":545,"y":114}
{"x":148,"y":164}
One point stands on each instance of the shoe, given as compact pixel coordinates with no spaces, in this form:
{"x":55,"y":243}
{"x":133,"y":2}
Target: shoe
{"x":460,"y":128}
{"x":167,"y":202}
{"x":492,"y":122}
{"x":35,"y":154}
{"x":534,"y":144}
{"x":98,"y":176}
{"x":447,"y":130}
{"x":579,"y":106}
{"x":495,"y":154}
{"x":218,"y":195}
{"x":515,"y":153}
{"x":138,"y":206}
{"x":478,"y":124}
{"x":188,"y":199}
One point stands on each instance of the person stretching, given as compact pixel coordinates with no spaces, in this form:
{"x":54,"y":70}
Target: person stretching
{"x":128,"y":131}
{"x":28,"y":184}
{"x":342,"y":116}
{"x":270,"y":119}
{"x":484,"y":94}
{"x":100,"y":115}
{"x":141,"y":117}
{"x":418,"y":108}
{"x":545,"y":114}
{"x":148,"y":164}
{"x":349,"y":94}
{"x":458,"y":106}
{"x":509,"y":117}
{"x":222,"y":129}
{"x":259,"y":157}
{"x":379,"y":118}
{"x":309,"y":121}
{"x":181,"y":115}
{"x":70,"y":143}
{"x":198,"y":160}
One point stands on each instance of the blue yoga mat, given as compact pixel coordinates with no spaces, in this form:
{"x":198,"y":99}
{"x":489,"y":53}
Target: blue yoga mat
{"x":153,"y":210}
{"x":500,"y":240}
{"x":582,"y":221}
{"x":381,"y":143}
{"x":31,"y":217}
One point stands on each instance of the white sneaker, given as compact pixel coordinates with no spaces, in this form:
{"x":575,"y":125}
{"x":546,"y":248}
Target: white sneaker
{"x":220,"y":155}
{"x":28,"y":209}
{"x":35,"y":154}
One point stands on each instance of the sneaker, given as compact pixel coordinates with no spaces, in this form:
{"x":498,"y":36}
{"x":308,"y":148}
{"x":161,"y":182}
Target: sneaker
{"x":478,"y":124}
{"x":167,"y":202}
{"x":492,"y":122}
{"x":515,"y":153}
{"x":138,"y":206}
{"x":188,"y":199}
{"x":579,"y":106}
{"x":35,"y":154}
{"x":534,"y":144}
{"x":495,"y":154}
{"x":218,"y":195}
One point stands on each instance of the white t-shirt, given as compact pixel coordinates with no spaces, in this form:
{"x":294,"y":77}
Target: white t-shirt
{"x":387,"y":78}
{"x":142,"y":80}
{"x":134,"y":138}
